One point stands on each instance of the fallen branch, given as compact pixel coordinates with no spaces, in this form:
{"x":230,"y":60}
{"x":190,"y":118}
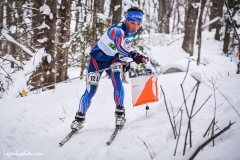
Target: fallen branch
{"x":210,"y":139}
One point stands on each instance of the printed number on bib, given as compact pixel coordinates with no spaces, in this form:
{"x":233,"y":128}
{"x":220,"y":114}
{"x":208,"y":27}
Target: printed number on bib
{"x":93,"y":78}
{"x":116,"y":67}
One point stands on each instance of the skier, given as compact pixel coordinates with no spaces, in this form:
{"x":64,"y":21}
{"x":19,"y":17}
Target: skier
{"x":114,"y":42}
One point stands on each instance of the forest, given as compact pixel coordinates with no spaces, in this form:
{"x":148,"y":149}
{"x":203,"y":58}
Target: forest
{"x":41,"y":39}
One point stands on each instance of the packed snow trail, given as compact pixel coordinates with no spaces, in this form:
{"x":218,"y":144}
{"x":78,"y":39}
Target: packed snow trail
{"x":37,"y":123}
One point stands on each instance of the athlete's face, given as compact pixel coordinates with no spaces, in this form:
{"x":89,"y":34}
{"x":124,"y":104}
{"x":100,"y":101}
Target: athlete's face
{"x":133,"y":26}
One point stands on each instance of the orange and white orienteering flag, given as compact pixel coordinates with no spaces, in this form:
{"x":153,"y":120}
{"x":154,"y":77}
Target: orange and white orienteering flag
{"x":144,"y":90}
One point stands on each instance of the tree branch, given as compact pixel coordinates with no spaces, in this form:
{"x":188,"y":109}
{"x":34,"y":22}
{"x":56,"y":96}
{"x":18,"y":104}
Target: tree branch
{"x":168,"y":112}
{"x":209,"y":140}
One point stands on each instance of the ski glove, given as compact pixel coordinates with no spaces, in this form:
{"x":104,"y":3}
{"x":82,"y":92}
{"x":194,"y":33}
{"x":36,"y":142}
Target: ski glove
{"x":138,"y":58}
{"x":126,"y":67}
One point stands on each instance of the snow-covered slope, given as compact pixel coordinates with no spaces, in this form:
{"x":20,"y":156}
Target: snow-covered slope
{"x":35,"y":124}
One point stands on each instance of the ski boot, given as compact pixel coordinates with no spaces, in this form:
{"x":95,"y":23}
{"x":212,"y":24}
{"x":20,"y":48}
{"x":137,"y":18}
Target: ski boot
{"x":77,"y":124}
{"x":120,"y":116}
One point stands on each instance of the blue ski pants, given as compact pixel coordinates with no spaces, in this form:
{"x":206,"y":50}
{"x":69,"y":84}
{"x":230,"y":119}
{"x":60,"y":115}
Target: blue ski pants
{"x":92,"y":83}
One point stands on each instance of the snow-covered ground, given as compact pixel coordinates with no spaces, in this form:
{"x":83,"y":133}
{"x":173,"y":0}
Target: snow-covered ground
{"x":32,"y":126}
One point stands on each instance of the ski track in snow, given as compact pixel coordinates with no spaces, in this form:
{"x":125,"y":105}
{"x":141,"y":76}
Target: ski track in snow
{"x":37,"y":123}
{"x":37,"y":127}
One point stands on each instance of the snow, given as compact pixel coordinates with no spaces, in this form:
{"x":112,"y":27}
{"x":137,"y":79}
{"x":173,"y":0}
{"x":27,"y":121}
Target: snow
{"x":32,"y":126}
{"x":44,"y":25}
{"x":102,"y":16}
{"x":45,"y":9}
{"x":197,"y":76}
{"x":22,"y":76}
{"x":88,"y":19}
{"x":196,"y":5}
{"x":13,"y":29}
{"x":43,"y":40}
{"x":236,"y":17}
{"x":116,"y":7}
{"x":11,"y":39}
{"x":67,"y":44}
{"x":128,"y":2}
{"x":10,"y":58}
{"x":210,"y":22}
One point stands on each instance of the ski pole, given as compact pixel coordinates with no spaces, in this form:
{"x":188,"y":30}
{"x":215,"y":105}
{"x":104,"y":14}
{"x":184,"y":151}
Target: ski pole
{"x":101,"y":70}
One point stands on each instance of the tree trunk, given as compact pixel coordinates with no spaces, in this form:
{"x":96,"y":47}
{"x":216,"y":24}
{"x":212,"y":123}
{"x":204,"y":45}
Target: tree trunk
{"x":232,"y":9}
{"x":49,"y":66}
{"x":9,"y":22}
{"x":161,"y":12}
{"x":38,"y":19}
{"x":45,"y":72}
{"x":94,"y":22}
{"x":190,"y":26}
{"x":77,"y":15}
{"x":169,"y":6}
{"x":63,"y":32}
{"x":86,"y":32}
{"x":1,"y":25}
{"x":101,"y":6}
{"x":226,"y":38}
{"x":116,"y":14}
{"x":174,"y":16}
{"x":216,"y":11}
{"x":199,"y":32}
{"x":219,"y":25}
{"x":164,"y":13}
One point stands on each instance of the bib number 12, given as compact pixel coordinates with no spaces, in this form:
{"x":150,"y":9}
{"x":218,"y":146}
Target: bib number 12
{"x":93,"y":78}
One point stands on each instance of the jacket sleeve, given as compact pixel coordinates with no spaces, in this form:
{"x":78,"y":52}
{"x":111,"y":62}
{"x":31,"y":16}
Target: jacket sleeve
{"x":116,"y":34}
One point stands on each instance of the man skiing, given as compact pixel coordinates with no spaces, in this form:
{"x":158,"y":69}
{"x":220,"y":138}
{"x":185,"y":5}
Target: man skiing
{"x":114,"y":42}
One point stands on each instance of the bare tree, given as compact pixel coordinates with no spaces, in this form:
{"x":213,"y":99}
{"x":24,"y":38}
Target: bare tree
{"x":63,"y":32}
{"x":199,"y":32}
{"x":116,"y":10}
{"x":94,"y":22}
{"x":216,"y":11}
{"x":50,"y":33}
{"x":1,"y":23}
{"x":9,"y":23}
{"x":165,"y":8}
{"x":226,"y":38}
{"x":78,"y":4}
{"x":231,"y":26}
{"x":190,"y":25}
{"x":38,"y":19}
{"x":161,"y":12}
{"x":44,"y":37}
{"x":101,"y":6}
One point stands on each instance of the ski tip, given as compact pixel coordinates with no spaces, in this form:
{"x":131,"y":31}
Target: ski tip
{"x":108,"y":143}
{"x":60,"y":144}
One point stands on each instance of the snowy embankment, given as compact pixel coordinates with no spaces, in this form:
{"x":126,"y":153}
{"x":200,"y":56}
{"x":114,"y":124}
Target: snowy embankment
{"x":35,"y":124}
